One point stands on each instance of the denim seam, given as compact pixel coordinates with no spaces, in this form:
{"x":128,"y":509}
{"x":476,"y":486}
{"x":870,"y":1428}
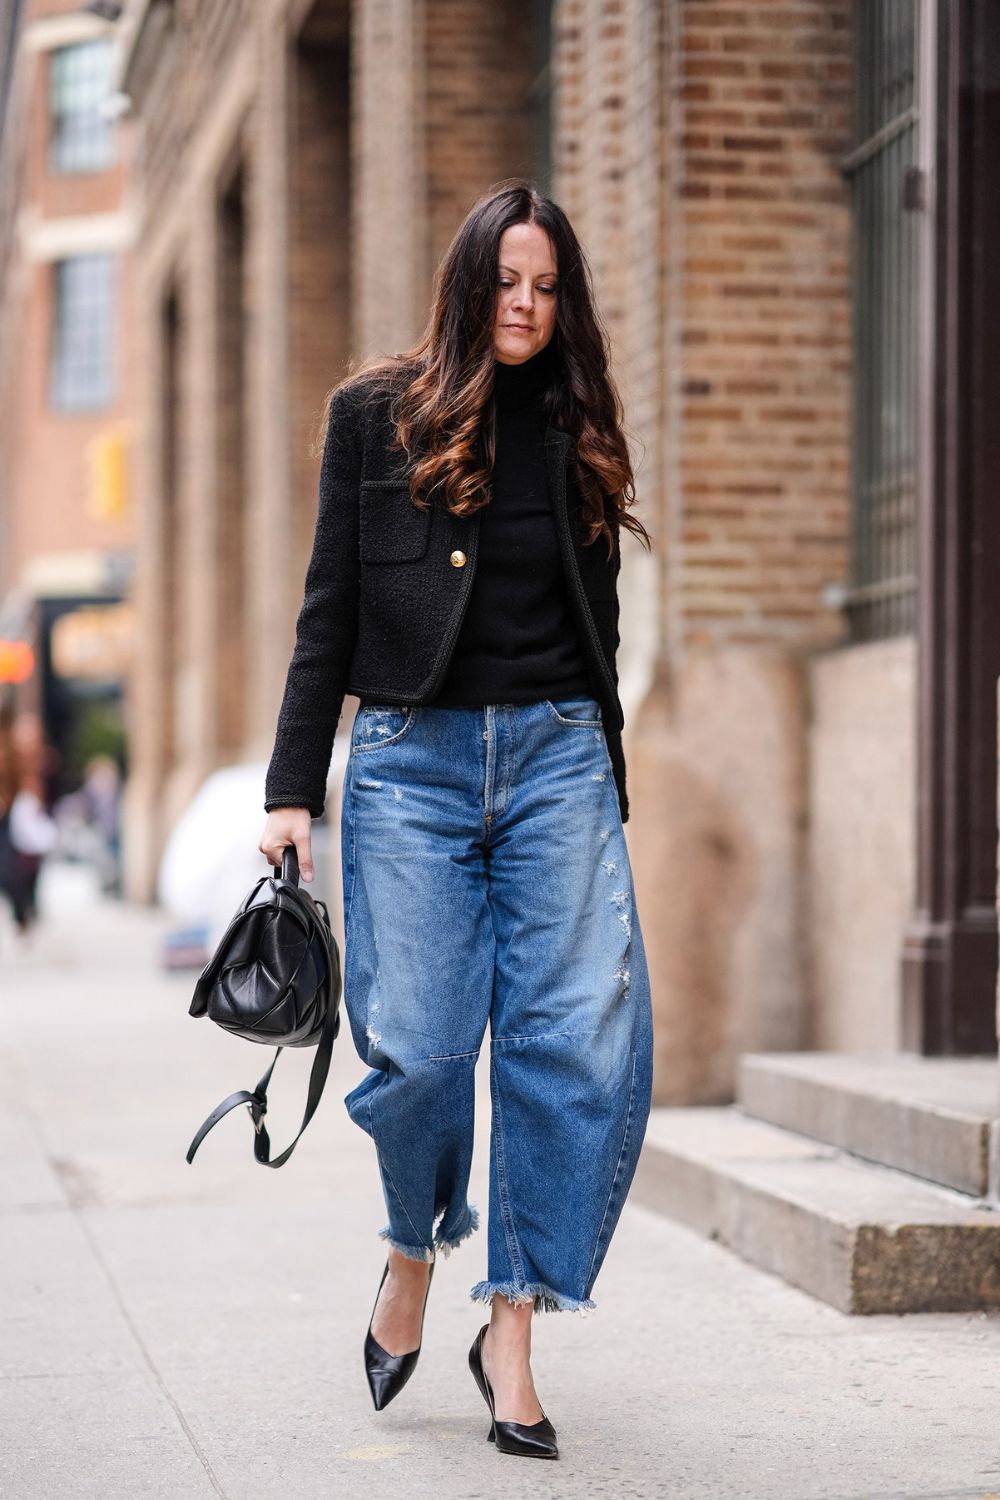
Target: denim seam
{"x":507,"y":768}
{"x":618,"y":1165}
{"x":352,"y":831}
{"x":412,"y":1252}
{"x":534,"y":1036}
{"x":451,"y":1056}
{"x":507,"y":1218}
{"x":447,"y":1243}
{"x":371,"y":1122}
{"x":490,"y":768}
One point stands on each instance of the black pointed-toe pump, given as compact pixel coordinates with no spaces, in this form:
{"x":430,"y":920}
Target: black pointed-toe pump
{"x":531,"y":1440}
{"x":388,"y":1373}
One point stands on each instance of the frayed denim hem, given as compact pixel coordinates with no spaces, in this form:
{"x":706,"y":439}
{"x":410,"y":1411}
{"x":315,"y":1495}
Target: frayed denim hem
{"x":445,"y":1244}
{"x":412,"y":1252}
{"x":544,"y":1298}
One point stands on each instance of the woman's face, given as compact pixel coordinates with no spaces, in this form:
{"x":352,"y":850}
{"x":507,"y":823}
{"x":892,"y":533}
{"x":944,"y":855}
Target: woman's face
{"x":526,"y":305}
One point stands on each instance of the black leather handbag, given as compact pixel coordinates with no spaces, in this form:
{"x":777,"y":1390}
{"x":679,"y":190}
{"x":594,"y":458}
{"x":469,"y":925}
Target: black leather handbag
{"x":275,"y":978}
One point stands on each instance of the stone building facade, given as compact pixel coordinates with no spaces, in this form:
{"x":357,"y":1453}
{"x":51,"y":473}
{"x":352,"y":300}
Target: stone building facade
{"x":303,"y":164}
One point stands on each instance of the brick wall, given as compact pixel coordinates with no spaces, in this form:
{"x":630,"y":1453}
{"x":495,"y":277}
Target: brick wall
{"x":763,"y":420}
{"x":479,"y":114}
{"x":697,"y":150}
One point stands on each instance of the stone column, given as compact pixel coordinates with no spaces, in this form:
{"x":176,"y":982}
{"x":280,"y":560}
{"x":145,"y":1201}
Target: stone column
{"x":149,"y":699}
{"x":389,"y":251}
{"x":271,"y":606}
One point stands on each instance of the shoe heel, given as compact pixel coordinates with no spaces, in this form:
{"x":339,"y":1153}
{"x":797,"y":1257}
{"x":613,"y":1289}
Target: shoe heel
{"x":491,"y":1436}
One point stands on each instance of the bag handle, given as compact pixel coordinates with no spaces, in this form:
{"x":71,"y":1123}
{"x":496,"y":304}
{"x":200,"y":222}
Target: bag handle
{"x":289,"y":867}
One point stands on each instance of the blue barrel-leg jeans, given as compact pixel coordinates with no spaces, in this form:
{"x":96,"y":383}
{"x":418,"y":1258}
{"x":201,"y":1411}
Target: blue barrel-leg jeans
{"x":486,"y":879}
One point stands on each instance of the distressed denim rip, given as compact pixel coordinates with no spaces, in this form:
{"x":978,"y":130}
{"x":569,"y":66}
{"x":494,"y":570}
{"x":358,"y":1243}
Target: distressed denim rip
{"x":487,"y":880}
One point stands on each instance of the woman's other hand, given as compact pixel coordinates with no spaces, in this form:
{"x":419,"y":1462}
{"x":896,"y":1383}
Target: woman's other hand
{"x":284,"y":826}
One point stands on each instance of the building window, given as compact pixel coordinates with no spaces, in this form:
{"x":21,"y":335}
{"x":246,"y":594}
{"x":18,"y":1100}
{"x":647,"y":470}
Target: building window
{"x":881,"y":171}
{"x":82,"y":344}
{"x":83,"y":140}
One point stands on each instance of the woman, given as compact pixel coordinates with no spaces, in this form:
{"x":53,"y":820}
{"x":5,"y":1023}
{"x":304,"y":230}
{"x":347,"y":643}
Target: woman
{"x":463,"y":585}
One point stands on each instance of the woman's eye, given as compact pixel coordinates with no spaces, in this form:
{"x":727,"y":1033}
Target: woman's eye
{"x":548,"y":290}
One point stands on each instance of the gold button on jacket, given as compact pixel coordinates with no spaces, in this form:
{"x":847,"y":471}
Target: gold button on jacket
{"x":458,"y":559}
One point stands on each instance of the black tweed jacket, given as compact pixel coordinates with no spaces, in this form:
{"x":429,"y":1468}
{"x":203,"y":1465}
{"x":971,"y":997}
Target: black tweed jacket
{"x":383,"y":602}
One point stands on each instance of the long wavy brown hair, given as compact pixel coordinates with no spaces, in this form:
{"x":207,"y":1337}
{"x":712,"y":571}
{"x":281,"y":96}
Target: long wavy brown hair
{"x":442,"y":386}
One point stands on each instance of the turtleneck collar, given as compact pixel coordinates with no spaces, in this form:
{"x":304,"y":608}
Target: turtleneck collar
{"x":516,"y":386}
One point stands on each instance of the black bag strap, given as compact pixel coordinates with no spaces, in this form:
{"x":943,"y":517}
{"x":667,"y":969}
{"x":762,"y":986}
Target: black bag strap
{"x":256,"y":1101}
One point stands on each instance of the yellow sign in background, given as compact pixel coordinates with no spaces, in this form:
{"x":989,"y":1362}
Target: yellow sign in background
{"x":108,"y":488}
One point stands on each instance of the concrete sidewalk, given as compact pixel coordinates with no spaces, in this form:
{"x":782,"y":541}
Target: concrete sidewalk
{"x":186,"y":1331}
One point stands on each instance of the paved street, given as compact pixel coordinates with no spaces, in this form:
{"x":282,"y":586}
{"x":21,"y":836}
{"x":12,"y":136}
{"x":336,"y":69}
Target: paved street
{"x":193,"y":1331}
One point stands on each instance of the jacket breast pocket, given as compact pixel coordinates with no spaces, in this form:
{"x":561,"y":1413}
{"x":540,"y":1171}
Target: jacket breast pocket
{"x":391,"y":528}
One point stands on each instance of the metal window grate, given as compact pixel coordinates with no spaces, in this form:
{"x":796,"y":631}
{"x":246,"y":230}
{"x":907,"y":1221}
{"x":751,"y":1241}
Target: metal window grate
{"x":880,"y":601}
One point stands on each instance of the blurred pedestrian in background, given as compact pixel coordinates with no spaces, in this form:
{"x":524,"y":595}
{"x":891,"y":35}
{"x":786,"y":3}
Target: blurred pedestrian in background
{"x":100,"y":795}
{"x":27,"y":831}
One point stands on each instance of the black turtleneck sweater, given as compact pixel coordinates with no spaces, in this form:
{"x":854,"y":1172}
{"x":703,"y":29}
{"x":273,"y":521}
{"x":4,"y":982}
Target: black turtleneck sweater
{"x":518,"y":642}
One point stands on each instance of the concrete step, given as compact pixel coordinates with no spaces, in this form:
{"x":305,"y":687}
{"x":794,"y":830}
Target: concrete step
{"x":862,"y":1237}
{"x":936,"y":1117}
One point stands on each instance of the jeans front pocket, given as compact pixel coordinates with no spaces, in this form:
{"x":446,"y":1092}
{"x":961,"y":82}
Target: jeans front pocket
{"x":584,"y":712}
{"x":378,"y":725}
